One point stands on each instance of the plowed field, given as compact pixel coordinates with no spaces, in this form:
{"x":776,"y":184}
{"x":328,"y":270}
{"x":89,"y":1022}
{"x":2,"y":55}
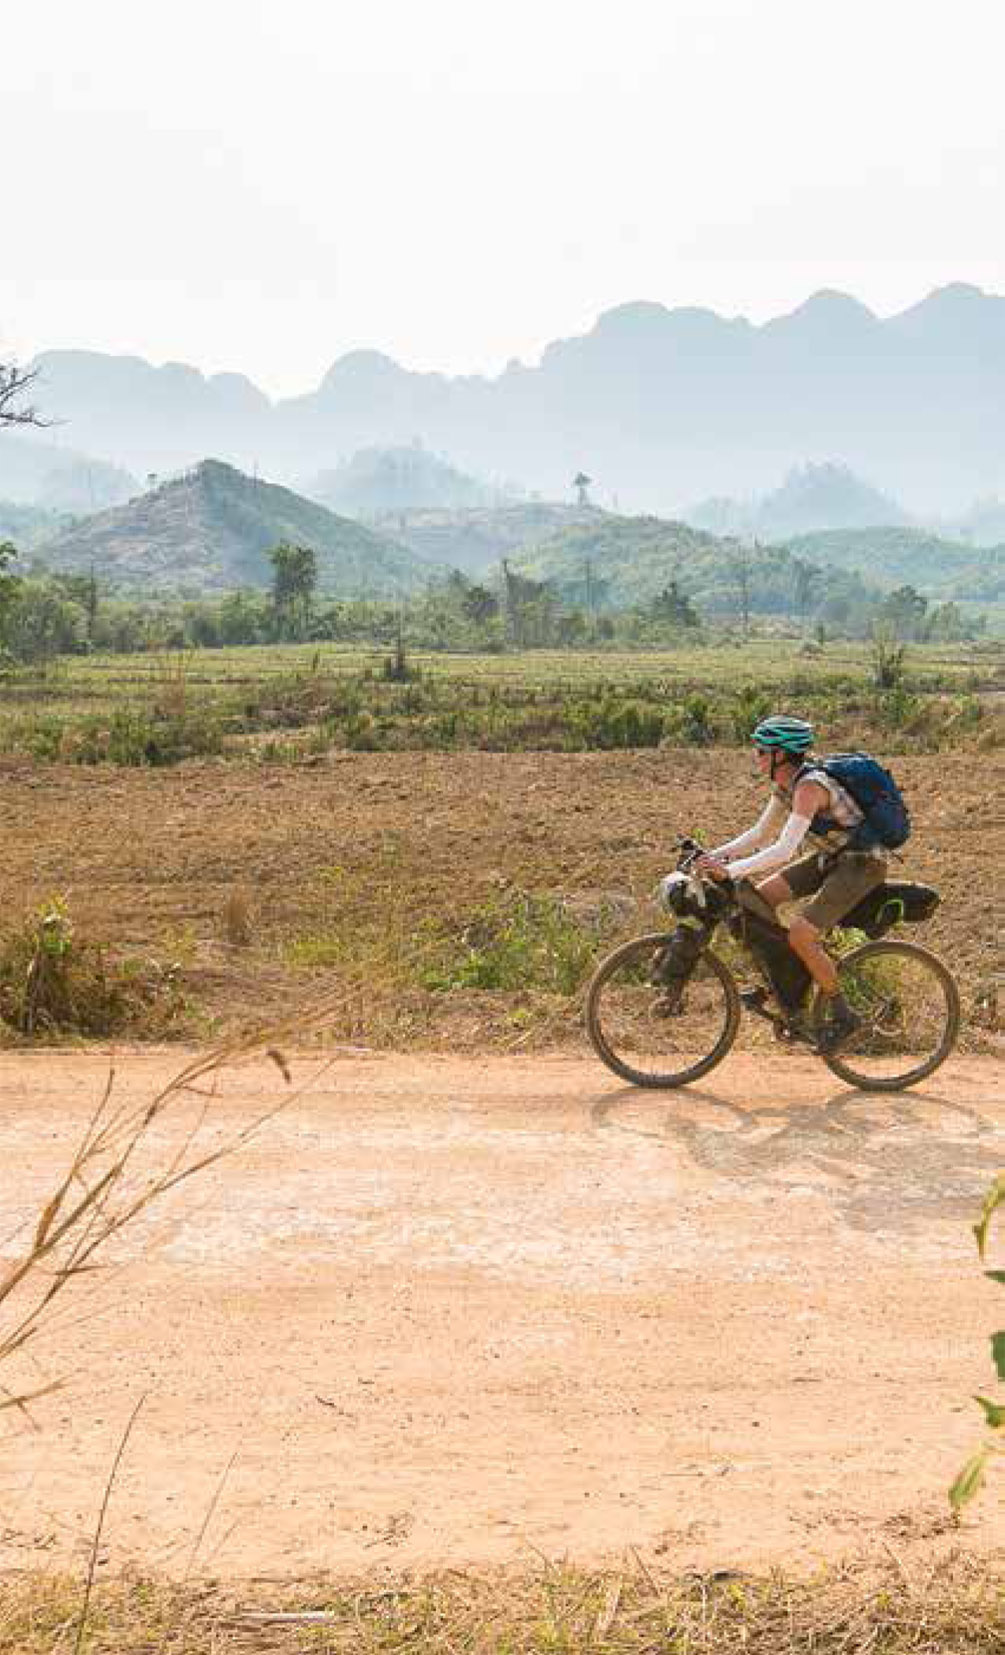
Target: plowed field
{"x":358,"y":868}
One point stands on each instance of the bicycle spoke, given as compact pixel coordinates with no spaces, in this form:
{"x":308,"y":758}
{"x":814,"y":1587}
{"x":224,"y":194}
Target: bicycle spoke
{"x":909,"y":1009}
{"x":657,"y":1034}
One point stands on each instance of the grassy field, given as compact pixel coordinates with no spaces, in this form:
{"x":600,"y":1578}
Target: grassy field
{"x":276,"y":702}
{"x":106,"y":679}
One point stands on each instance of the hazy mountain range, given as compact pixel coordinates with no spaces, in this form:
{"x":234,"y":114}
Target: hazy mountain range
{"x":209,"y":531}
{"x":811,"y":497}
{"x":662,"y":407}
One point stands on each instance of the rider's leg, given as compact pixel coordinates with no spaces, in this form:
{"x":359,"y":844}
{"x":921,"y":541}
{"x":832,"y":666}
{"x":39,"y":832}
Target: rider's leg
{"x":806,"y":941}
{"x":801,"y":879}
{"x":850,"y":877}
{"x":806,"y":878}
{"x":765,"y":898}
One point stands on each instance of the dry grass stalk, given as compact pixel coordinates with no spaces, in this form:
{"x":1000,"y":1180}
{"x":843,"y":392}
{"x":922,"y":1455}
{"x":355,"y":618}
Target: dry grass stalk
{"x":92,"y":1562}
{"x":237,"y":917}
{"x":861,"y":1608}
{"x":107,"y":1185}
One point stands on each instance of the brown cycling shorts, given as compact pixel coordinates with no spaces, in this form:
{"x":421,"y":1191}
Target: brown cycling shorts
{"x":835,"y":883}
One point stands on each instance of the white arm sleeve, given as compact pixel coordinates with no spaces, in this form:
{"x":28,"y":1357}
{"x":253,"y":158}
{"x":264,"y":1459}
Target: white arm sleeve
{"x":774,"y":856}
{"x":769,"y":821}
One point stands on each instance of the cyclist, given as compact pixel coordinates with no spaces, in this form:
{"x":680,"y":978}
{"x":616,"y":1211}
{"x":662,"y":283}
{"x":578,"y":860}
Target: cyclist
{"x":805,"y":801}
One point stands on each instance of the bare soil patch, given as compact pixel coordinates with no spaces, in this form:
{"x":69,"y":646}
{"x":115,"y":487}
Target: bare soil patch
{"x":465,"y":1312}
{"x":356,"y":871}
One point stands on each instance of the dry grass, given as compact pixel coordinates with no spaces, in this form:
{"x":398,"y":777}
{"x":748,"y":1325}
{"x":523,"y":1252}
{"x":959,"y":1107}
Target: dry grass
{"x":952,"y":1608}
{"x":53,"y":982}
{"x":236,"y":917}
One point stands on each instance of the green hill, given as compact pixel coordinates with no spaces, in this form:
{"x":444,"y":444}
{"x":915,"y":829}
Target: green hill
{"x":938,"y":567}
{"x":209,"y":530}
{"x":621,"y":562}
{"x":477,"y":538}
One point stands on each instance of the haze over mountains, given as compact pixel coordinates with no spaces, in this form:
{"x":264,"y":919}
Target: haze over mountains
{"x":663,"y":407}
{"x":811,"y":497}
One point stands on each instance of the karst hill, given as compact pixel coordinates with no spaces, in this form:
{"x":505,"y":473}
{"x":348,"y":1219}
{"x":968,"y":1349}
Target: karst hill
{"x":211,"y":528}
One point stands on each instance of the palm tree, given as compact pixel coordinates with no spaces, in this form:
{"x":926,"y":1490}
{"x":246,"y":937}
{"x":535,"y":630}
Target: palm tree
{"x":581,"y":483}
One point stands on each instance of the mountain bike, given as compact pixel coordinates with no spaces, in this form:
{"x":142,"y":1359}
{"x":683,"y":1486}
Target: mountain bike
{"x":665,"y":1008}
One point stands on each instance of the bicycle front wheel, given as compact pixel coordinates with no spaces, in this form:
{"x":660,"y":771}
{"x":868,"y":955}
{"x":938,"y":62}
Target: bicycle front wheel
{"x":654,"y":1036}
{"x":910,"y":1010}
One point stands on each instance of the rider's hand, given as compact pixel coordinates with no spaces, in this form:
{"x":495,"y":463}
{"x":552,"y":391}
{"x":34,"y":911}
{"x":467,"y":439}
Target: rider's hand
{"x":711,"y":867}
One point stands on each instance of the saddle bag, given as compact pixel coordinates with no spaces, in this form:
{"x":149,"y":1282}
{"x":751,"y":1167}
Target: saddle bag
{"x":895,"y":902}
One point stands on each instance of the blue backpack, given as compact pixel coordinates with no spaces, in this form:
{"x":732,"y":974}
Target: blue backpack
{"x":886,"y":818}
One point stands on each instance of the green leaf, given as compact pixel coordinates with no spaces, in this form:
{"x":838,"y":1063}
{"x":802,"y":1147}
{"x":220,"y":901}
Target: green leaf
{"x":970,"y":1479}
{"x":998,"y":1353}
{"x":995,"y":1275}
{"x":993,"y":1200}
{"x":994,"y":1412}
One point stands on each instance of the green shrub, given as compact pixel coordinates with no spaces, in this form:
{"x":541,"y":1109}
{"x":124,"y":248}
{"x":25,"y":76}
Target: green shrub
{"x":52,"y":983}
{"x":522,"y":942}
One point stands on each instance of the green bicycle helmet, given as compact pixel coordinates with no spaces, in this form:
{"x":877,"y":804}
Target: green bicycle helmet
{"x":781,"y":734}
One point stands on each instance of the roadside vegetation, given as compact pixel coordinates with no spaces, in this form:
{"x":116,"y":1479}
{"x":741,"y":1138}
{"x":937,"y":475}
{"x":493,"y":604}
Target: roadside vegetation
{"x":55,"y":983}
{"x":953,"y":1608}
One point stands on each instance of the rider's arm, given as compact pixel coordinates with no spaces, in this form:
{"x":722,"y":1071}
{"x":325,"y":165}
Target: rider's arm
{"x":808,"y":798}
{"x":768,"y":823}
{"x":776,"y":855}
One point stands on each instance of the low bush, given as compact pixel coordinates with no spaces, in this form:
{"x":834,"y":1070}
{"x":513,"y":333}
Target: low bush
{"x":519,"y":941}
{"x":54,"y":983}
{"x":128,"y":736}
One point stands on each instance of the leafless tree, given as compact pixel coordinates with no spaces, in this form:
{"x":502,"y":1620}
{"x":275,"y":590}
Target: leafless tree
{"x":741,"y":564}
{"x":15,"y":387}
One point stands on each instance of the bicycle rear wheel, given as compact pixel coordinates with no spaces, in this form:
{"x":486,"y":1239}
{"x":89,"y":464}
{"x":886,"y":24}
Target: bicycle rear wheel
{"x":647,"y":1033}
{"x":910,"y":1010}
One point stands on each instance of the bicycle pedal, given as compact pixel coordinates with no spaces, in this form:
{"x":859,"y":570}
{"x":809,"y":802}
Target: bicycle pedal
{"x":792,"y":1034}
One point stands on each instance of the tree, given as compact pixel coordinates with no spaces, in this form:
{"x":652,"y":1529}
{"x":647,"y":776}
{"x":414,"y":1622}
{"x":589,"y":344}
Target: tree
{"x":83,"y":589}
{"x":887,"y":655}
{"x":806,"y":578}
{"x":43,"y":622}
{"x":15,"y":385}
{"x":571,"y":628}
{"x":10,"y":585}
{"x":480,"y":605}
{"x":904,"y":611}
{"x":674,"y":606}
{"x":294,"y":581}
{"x":531,"y":609}
{"x":740,"y":567}
{"x":581,"y":483}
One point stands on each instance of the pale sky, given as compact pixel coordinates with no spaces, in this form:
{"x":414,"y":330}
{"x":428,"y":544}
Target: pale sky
{"x":263,"y":185}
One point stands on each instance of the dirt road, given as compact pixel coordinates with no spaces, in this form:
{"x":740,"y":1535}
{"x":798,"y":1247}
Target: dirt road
{"x":449,"y":1311}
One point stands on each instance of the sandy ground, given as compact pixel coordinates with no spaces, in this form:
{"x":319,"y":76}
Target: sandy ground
{"x":451,"y":1312}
